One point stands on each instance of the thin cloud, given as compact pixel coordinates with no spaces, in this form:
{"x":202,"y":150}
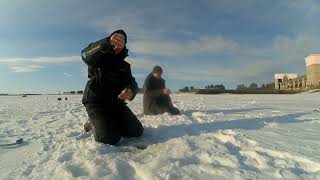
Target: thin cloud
{"x":142,"y":63}
{"x":26,"y":69}
{"x":216,"y":44}
{"x":56,"y":60}
{"x":133,"y":23}
{"x":67,"y":75}
{"x":200,"y":73}
{"x":33,"y":64}
{"x":40,"y":60}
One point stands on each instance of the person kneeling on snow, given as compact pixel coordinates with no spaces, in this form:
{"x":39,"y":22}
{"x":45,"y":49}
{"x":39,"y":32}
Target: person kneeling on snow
{"x":156,"y":99}
{"x":110,"y":84}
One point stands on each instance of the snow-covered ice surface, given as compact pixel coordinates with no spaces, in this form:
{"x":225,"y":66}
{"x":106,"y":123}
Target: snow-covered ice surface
{"x":217,"y":137}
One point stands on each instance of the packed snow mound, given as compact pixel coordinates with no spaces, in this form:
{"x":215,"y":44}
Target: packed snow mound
{"x":216,"y":137}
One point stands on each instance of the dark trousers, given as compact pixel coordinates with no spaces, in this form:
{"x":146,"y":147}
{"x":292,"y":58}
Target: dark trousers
{"x":163,"y":109}
{"x":162,"y":105}
{"x":109,"y":124}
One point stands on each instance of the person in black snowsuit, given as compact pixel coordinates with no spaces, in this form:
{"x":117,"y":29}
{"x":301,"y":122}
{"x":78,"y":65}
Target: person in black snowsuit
{"x":156,"y":99}
{"x":110,"y":84}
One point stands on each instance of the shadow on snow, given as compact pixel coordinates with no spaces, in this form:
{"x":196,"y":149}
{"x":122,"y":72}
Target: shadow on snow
{"x":165,"y":133}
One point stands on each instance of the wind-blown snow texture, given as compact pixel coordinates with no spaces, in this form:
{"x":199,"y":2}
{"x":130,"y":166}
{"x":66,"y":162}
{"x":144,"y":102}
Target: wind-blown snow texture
{"x":217,"y":137}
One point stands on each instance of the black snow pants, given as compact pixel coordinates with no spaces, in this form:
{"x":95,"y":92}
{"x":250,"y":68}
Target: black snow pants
{"x":109,"y":124}
{"x":164,"y":104}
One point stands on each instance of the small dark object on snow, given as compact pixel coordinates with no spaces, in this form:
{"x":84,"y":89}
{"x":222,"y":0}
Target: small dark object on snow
{"x":87,"y":126}
{"x":65,"y":98}
{"x":316,"y":110}
{"x":141,"y":146}
{"x":19,"y":141}
{"x":59,"y":99}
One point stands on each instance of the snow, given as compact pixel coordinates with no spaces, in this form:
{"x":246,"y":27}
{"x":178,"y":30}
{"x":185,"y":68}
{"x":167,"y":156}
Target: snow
{"x":216,"y":137}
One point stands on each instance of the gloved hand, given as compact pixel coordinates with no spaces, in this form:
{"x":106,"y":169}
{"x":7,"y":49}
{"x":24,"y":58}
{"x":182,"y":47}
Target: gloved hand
{"x":126,"y":94}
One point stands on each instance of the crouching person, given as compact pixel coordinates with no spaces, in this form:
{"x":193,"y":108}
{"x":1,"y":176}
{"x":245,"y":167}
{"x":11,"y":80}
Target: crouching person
{"x":110,"y":84}
{"x":156,"y":99}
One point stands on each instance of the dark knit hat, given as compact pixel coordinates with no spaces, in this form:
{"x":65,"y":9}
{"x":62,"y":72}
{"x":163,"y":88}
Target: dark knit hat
{"x":121,"y":32}
{"x":157,"y":69}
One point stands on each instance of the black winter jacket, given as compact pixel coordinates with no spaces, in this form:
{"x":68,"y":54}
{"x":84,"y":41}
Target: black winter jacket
{"x":109,"y":74}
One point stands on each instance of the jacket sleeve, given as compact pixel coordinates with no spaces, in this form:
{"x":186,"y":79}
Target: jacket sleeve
{"x":93,"y":54}
{"x":133,"y":85}
{"x":148,"y":90}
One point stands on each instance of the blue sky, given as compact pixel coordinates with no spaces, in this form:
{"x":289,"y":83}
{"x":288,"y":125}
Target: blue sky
{"x":197,"y":42}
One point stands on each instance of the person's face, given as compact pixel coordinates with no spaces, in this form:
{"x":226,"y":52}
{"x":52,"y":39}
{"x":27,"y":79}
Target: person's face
{"x":119,"y":41}
{"x":157,"y":75}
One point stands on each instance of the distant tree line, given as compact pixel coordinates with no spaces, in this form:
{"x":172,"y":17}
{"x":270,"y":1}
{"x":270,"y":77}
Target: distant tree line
{"x":208,"y":87}
{"x":221,"y":87}
{"x":187,"y":89}
{"x":253,"y":86}
{"x":72,"y":92}
{"x":215,"y":87}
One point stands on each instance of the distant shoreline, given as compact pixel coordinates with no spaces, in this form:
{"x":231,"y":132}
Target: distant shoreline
{"x":27,"y":94}
{"x":199,"y":91}
{"x":247,"y":91}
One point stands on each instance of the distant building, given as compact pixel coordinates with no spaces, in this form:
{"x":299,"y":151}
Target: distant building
{"x":291,"y":81}
{"x":297,"y":84}
{"x":281,"y":78}
{"x":313,"y":71}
